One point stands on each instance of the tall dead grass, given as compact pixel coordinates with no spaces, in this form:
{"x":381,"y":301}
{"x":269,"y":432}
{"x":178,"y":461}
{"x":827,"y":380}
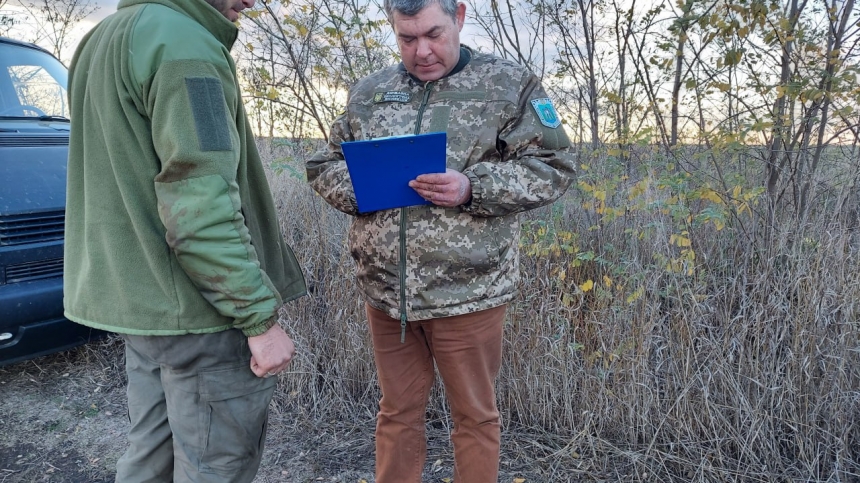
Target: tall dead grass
{"x":746,"y":370}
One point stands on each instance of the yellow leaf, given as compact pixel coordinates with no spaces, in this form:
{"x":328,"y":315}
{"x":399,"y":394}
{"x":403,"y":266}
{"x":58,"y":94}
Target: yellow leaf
{"x":567,"y":300}
{"x":679,"y":240}
{"x":588,"y":285}
{"x":446,"y":480}
{"x":636,"y":295}
{"x":712,"y":195}
{"x":638,"y":189}
{"x":519,"y":480}
{"x":780,"y":91}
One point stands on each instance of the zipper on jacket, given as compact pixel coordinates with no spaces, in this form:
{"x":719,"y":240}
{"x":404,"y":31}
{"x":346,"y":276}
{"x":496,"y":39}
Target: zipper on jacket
{"x":417,"y":130}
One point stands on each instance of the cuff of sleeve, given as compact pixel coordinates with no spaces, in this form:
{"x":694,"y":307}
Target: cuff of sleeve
{"x":260,"y":328}
{"x":353,"y":203}
{"x":477,"y":194}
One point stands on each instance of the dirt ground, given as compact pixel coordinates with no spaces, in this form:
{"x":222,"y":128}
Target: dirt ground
{"x":63,"y":419}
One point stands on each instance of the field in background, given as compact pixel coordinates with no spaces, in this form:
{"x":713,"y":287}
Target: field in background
{"x":659,"y":328}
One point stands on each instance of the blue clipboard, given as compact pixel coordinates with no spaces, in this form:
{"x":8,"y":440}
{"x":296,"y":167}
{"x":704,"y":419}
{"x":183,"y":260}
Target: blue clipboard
{"x":381,"y":169}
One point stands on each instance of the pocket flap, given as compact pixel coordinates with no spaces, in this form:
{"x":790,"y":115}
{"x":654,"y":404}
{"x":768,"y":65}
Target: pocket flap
{"x":232,"y":382}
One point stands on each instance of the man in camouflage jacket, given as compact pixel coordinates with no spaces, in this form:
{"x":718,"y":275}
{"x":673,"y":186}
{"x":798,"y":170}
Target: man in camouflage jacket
{"x":437,"y":277}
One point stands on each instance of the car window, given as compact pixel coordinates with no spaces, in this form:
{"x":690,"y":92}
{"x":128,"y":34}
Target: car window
{"x":32,"y":83}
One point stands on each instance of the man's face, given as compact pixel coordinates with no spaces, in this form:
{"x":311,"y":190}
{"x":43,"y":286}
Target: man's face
{"x":429,"y":41}
{"x":231,"y":8}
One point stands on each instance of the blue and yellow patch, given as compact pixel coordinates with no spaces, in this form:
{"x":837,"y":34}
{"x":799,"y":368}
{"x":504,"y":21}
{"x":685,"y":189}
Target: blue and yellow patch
{"x":546,"y":112}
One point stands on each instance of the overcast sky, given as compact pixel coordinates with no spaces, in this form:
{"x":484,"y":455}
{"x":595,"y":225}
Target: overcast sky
{"x":107,"y":7}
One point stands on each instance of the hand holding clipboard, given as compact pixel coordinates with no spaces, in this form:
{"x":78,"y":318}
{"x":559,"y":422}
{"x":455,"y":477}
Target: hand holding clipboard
{"x":381,"y":169}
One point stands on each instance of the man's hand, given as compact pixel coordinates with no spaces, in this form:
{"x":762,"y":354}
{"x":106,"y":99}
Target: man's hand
{"x":449,"y":189}
{"x":271,"y":351}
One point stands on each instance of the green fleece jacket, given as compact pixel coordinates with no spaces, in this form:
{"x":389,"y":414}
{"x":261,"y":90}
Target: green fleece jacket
{"x":170,"y":224}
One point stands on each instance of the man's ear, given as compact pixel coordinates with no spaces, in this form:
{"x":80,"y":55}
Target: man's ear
{"x":461,"y":15}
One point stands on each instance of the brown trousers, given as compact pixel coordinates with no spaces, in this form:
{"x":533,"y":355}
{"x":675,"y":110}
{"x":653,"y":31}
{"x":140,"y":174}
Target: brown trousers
{"x":467,"y":350}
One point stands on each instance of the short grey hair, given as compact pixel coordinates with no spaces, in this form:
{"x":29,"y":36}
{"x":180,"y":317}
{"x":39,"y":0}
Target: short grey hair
{"x":411,"y":8}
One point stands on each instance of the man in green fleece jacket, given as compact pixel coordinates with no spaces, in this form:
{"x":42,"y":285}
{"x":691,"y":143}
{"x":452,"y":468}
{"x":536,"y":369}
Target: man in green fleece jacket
{"x":172,"y":238}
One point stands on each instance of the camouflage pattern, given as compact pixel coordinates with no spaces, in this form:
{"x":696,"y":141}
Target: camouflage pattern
{"x":428,"y":261}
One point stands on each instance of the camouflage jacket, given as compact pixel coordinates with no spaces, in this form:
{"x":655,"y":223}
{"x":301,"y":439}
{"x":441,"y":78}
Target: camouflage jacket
{"x":428,"y":261}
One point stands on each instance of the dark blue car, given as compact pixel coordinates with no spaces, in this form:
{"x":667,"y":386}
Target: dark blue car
{"x":34,"y":145}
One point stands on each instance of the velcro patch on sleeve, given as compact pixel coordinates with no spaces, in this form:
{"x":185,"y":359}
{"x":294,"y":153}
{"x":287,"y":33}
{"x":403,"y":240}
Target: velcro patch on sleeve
{"x":546,"y":113}
{"x":210,"y":116}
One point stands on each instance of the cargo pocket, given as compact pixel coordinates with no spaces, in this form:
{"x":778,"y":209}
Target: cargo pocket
{"x":234,"y":407}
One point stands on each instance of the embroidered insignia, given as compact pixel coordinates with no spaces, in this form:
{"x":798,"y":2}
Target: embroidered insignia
{"x":392,"y":96}
{"x":546,"y":112}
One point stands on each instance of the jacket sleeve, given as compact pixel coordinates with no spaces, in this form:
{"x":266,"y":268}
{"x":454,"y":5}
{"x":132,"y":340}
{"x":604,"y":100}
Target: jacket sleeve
{"x":327,"y":172}
{"x":192,"y":106}
{"x":536,"y":167}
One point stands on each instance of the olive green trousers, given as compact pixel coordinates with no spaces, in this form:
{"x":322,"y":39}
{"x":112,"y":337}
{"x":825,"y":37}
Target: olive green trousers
{"x":197,"y":412}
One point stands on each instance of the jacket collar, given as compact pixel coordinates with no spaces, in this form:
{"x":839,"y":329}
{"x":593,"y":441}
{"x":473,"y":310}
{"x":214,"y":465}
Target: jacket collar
{"x":465,"y":58}
{"x":203,"y":13}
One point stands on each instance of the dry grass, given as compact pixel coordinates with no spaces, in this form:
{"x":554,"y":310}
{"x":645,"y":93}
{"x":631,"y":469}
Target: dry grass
{"x":747,"y":370}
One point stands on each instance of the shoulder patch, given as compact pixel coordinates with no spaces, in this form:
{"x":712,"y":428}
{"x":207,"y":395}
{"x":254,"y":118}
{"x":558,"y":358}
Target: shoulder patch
{"x":208,"y":108}
{"x":392,"y":96}
{"x":546,"y":112}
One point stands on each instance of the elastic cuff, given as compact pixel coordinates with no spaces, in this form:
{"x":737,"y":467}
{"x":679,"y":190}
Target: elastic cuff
{"x":260,"y":329}
{"x":477,"y":194}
